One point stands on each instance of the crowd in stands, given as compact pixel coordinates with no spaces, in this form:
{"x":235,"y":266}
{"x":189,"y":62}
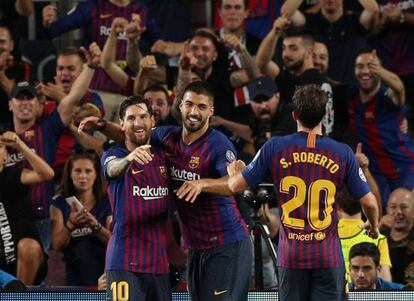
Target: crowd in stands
{"x":360,"y":52}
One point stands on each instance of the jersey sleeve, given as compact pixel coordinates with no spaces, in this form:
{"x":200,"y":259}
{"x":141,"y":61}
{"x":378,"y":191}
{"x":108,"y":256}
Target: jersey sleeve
{"x":111,"y":154}
{"x":53,"y":125}
{"x":356,"y":182}
{"x":159,"y":133}
{"x":78,"y":17}
{"x":258,"y":170}
{"x":225,"y":155}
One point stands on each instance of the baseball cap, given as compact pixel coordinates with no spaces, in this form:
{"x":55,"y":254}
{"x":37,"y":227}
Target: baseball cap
{"x":23,"y":88}
{"x":261,"y":88}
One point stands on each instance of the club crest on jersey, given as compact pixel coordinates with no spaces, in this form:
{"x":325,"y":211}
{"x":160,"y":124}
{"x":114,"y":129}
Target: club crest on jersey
{"x":362,"y":175}
{"x":230,"y":156}
{"x":194,"y":162}
{"x":164,"y":171}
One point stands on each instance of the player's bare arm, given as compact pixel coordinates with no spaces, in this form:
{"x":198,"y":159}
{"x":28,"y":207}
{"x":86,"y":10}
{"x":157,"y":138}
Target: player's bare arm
{"x":370,"y":209}
{"x":236,"y":181}
{"x":190,"y":190}
{"x":118,"y":167}
{"x":109,"y":129}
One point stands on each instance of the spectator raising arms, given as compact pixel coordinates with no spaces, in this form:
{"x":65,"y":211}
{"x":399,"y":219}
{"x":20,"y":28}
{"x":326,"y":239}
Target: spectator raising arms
{"x":23,"y":256}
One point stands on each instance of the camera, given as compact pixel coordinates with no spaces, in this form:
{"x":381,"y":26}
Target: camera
{"x":256,"y":197}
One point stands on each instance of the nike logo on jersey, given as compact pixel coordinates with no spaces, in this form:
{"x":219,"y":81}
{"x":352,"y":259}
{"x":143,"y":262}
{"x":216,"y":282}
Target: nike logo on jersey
{"x":105,"y":16}
{"x":218,"y":293}
{"x":134,"y":172}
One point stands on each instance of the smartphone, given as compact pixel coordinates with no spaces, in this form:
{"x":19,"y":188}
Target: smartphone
{"x":74,"y":200}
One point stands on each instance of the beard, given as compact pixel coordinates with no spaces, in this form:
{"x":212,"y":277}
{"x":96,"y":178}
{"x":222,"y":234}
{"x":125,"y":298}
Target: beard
{"x":138,"y":141}
{"x":192,"y":126}
{"x":372,"y":87}
{"x":294,"y":66}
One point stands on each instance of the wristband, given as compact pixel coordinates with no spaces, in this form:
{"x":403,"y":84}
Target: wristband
{"x":91,"y":66}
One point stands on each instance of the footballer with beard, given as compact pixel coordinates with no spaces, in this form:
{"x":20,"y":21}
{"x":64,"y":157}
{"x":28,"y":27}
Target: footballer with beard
{"x":220,"y":250}
{"x":138,"y":190}
{"x":219,"y":260}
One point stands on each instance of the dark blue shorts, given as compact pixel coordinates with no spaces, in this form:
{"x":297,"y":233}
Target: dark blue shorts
{"x":130,"y":286}
{"x":221,"y":273}
{"x":312,"y":285}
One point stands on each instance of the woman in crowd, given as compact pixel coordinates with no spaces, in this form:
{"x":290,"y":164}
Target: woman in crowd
{"x":82,"y":233}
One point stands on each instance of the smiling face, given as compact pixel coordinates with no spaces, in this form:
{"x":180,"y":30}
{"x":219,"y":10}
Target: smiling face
{"x":83,"y":174}
{"x":294,"y":53}
{"x":363,"y":74}
{"x":196,"y":109}
{"x":320,"y":57}
{"x":204,"y":50}
{"x":68,"y":68}
{"x":233,"y":13}
{"x":400,"y":206}
{"x":24,"y":107}
{"x":137,"y":124}
{"x":159,"y":104}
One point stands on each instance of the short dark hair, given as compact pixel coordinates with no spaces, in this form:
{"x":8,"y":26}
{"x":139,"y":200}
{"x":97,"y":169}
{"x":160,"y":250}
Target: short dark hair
{"x":133,"y":101}
{"x":245,"y":2}
{"x":365,"y":249}
{"x":208,"y":34}
{"x":309,"y":103}
{"x":363,"y":50}
{"x":300,"y":32}
{"x":72,"y":51}
{"x":157,"y":88}
{"x":348,"y":204}
{"x":200,"y":87}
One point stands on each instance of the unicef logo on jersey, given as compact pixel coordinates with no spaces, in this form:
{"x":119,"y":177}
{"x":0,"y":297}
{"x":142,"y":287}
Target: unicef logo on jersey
{"x":361,"y":175}
{"x":150,"y":193}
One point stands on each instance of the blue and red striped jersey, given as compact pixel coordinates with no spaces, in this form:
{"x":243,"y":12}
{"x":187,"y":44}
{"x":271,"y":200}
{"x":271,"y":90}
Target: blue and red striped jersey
{"x":140,"y":203}
{"x":42,"y":138}
{"x":212,"y":220}
{"x":308,"y":176}
{"x":395,"y":44}
{"x":95,"y":18}
{"x":376,"y":124}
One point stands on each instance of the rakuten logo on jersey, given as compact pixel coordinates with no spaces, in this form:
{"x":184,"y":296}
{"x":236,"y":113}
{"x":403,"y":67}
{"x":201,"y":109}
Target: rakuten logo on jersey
{"x":106,"y":31}
{"x":183,"y":175}
{"x":150,"y":193}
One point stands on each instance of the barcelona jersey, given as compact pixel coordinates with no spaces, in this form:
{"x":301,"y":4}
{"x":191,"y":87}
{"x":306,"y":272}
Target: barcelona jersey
{"x":140,"y":203}
{"x":212,"y":220}
{"x":308,"y":175}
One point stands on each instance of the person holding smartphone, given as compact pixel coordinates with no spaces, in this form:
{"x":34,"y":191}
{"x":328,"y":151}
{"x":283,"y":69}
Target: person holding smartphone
{"x":82,"y":233}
